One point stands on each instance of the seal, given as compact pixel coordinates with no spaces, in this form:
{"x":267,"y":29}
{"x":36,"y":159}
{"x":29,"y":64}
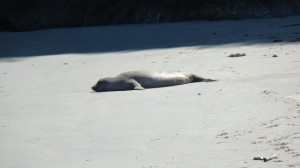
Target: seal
{"x":140,"y":80}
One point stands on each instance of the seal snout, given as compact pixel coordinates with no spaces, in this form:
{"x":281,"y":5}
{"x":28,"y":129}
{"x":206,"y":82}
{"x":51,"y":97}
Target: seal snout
{"x":94,"y":88}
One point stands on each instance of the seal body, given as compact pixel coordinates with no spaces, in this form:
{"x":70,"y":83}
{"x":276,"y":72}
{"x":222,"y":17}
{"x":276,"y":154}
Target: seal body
{"x":139,"y":80}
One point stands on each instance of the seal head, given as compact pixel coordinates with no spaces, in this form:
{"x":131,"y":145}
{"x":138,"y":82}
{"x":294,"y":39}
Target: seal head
{"x":115,"y":84}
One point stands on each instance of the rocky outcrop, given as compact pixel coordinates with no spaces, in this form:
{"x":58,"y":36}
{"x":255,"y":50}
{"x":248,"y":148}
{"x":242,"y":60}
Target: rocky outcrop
{"x":26,"y":15}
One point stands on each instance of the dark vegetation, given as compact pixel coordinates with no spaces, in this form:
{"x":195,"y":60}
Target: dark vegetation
{"x":26,"y":15}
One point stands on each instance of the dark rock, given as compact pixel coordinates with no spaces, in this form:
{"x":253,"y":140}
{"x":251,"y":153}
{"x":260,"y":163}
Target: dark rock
{"x":26,"y":15}
{"x":277,"y":40}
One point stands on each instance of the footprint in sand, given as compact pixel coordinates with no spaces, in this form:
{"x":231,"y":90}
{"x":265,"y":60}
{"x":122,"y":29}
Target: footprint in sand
{"x":296,"y":155}
{"x":271,"y":126}
{"x":223,"y":135}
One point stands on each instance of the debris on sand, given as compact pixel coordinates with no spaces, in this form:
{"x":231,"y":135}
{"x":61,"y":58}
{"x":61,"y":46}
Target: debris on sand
{"x":265,"y":159}
{"x":237,"y":55}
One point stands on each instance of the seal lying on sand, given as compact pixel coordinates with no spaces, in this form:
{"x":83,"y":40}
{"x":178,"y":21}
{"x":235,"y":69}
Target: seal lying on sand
{"x":139,"y":80}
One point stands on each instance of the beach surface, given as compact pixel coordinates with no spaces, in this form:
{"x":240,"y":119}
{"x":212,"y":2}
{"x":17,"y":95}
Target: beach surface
{"x":50,"y":117}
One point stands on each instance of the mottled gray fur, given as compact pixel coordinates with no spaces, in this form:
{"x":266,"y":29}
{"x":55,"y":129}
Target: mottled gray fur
{"x":139,"y":80}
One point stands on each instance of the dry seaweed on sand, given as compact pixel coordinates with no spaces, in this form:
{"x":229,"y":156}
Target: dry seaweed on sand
{"x":237,"y":55}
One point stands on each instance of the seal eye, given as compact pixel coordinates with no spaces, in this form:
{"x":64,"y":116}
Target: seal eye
{"x":99,"y":83}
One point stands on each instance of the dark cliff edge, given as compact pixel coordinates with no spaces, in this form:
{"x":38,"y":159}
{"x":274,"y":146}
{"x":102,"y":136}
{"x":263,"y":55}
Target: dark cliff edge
{"x":28,"y":15}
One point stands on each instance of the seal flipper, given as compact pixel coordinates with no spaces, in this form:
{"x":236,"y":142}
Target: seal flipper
{"x":136,"y":85}
{"x":200,"y":79}
{"x":209,"y":80}
{"x":139,"y":88}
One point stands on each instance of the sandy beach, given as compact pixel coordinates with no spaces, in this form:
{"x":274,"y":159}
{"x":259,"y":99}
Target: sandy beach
{"x":50,"y":117}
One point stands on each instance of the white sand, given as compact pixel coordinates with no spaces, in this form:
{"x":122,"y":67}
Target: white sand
{"x":50,"y":118}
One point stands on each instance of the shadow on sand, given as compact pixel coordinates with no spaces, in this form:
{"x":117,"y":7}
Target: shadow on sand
{"x":122,"y":38}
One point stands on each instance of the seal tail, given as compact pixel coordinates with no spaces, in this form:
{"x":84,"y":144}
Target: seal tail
{"x":200,"y":79}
